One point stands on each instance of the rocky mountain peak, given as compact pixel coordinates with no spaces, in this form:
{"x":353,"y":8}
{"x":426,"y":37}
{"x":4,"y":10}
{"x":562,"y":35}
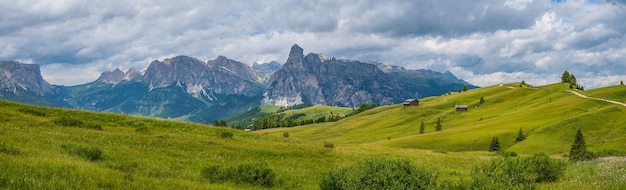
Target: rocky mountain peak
{"x":320,"y":79}
{"x":235,"y":67}
{"x":266,"y":68}
{"x":114,"y":76}
{"x":132,"y":74}
{"x":14,"y":75}
{"x":296,"y":56}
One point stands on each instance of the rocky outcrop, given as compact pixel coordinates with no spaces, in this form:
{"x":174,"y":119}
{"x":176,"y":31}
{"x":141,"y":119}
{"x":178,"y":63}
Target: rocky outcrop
{"x":266,"y":68}
{"x":235,"y":67}
{"x":319,"y":79}
{"x":222,"y":76}
{"x":18,"y":76}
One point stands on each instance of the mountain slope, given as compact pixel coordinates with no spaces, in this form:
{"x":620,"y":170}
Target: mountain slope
{"x":549,"y":116}
{"x":318,"y":79}
{"x":181,"y":87}
{"x":23,"y":83}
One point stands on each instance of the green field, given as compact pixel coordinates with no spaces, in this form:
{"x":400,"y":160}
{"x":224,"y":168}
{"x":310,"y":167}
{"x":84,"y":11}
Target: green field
{"x":46,"y":148}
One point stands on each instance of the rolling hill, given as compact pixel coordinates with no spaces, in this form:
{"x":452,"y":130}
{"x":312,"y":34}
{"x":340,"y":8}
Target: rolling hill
{"x":548,"y":115}
{"x":51,"y":148}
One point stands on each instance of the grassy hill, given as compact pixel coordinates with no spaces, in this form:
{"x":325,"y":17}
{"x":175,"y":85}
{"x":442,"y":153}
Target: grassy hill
{"x":48,"y":148}
{"x":299,"y":113}
{"x":548,"y":115}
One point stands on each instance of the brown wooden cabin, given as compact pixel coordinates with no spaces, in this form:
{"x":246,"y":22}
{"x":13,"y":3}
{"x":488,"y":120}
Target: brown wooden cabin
{"x":411,"y":102}
{"x":462,"y":108}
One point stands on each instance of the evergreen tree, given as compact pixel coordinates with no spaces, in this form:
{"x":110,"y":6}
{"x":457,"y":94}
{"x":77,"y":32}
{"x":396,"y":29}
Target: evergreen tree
{"x":520,"y":135}
{"x":464,"y":88}
{"x":579,"y":152}
{"x":572,"y":80}
{"x":438,"y":127}
{"x":495,"y":145}
{"x":482,"y":100}
{"x":621,"y":82}
{"x":565,"y":77}
{"x":422,"y":128}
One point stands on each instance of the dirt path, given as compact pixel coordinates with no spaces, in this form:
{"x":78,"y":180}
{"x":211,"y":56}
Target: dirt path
{"x":600,"y":99}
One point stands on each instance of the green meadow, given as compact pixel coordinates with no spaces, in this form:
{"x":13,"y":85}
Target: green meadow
{"x":50,"y":148}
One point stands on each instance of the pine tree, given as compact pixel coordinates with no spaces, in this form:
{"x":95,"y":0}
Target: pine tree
{"x":495,"y":145}
{"x":482,"y":100}
{"x":438,"y":127}
{"x":565,"y":77}
{"x":572,"y":80}
{"x":464,"y":88}
{"x":621,"y":82}
{"x":579,"y":152}
{"x":422,"y":128}
{"x":520,"y":135}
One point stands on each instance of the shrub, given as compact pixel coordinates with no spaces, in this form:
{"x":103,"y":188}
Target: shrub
{"x":517,"y":173}
{"x":9,"y":150}
{"x":32,"y":112}
{"x":226,"y":134}
{"x":546,"y":168}
{"x":142,"y":129}
{"x":329,"y":144}
{"x":379,"y":173}
{"x":214,"y":173}
{"x":89,"y":153}
{"x":73,"y":122}
{"x":255,"y":174}
{"x":495,"y":145}
{"x":68,"y":122}
{"x":286,"y":134}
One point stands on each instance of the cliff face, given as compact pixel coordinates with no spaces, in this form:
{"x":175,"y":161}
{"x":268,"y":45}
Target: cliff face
{"x":318,"y":79}
{"x":15,"y":75}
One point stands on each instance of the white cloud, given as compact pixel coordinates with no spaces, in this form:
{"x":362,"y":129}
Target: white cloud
{"x":484,"y":41}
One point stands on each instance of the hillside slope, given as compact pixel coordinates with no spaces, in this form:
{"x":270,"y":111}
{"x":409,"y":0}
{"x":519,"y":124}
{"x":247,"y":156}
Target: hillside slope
{"x":46,"y":148}
{"x":548,"y":115}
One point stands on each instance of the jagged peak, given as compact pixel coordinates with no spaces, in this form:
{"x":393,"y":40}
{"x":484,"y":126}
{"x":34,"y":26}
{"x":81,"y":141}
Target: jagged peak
{"x":295,"y":54}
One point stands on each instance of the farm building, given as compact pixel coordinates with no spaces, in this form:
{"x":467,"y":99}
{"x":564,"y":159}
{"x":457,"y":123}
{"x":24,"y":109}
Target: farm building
{"x":411,"y":102}
{"x":462,"y":108}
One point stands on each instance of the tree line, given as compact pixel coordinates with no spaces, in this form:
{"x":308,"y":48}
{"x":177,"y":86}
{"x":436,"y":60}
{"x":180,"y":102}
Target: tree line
{"x":280,"y":120}
{"x":567,"y":77}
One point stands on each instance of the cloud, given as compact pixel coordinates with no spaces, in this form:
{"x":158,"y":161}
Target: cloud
{"x":482,"y":41}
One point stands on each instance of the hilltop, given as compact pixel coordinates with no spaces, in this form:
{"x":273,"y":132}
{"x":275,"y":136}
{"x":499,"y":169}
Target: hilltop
{"x":549,"y":116}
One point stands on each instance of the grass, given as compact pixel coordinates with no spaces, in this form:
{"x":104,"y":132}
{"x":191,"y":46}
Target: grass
{"x":548,"y":115}
{"x":45,"y":148}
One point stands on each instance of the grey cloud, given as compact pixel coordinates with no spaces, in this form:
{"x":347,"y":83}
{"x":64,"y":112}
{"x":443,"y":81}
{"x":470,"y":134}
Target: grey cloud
{"x":415,"y":18}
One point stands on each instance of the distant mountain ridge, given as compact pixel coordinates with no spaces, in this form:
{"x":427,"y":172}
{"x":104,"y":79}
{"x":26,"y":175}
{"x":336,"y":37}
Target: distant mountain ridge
{"x":319,"y":79}
{"x":186,"y":88}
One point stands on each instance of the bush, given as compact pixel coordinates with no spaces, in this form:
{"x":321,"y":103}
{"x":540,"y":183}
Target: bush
{"x":495,"y":145}
{"x":517,"y":173}
{"x":379,"y":173}
{"x":286,"y":134}
{"x":546,"y":168}
{"x":225,"y":134}
{"x":9,"y":150}
{"x":255,"y":174}
{"x":329,"y":144}
{"x":214,"y":173}
{"x":73,"y":122}
{"x":90,"y":153}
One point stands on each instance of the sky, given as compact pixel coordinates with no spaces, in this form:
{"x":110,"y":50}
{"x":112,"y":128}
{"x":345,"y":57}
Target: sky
{"x":484,"y":42}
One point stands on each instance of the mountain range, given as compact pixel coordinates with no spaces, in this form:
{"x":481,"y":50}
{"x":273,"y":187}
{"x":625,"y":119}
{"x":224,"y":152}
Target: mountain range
{"x":186,"y":88}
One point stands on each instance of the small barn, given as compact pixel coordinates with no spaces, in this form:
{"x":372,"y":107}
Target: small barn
{"x":462,"y":108}
{"x":411,"y":102}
